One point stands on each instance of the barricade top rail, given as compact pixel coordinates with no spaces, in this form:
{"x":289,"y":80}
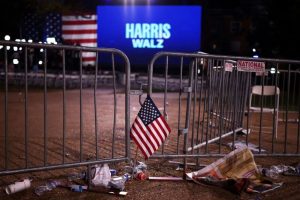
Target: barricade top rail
{"x":60,"y":46}
{"x":214,"y":56}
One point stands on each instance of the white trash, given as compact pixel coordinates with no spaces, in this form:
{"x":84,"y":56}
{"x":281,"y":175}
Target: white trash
{"x":18,"y":186}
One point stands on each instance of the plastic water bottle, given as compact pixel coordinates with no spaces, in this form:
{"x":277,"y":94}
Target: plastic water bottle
{"x":50,"y":185}
{"x":77,"y":176}
{"x":271,"y":173}
{"x":18,"y":186}
{"x":78,"y":188}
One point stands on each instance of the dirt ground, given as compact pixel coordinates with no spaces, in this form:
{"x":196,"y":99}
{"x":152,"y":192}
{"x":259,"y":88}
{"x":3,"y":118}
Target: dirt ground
{"x":148,"y":189}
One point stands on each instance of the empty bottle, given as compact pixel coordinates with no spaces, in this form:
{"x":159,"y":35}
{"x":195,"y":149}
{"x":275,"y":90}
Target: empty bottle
{"x":50,"y":185}
{"x":77,"y":176}
{"x":272,"y":172}
{"x":78,"y":188}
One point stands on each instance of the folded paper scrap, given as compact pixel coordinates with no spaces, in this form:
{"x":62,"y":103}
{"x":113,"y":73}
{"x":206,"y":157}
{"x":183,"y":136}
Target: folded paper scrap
{"x":238,"y":144}
{"x":237,"y":172}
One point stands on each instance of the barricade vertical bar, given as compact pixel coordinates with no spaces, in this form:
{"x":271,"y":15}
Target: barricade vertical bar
{"x":235,"y":107}
{"x":242,"y":96}
{"x":228,"y":98}
{"x":199,"y":110}
{"x":287,"y":108}
{"x":45,"y":109}
{"x":275,"y":103}
{"x":64,"y":104}
{"x":208,"y":103}
{"x":218,"y":99}
{"x":213,"y":93}
{"x":165,"y":96}
{"x":179,"y":103}
{"x":211,"y":99}
{"x":248,"y":108}
{"x":6,"y":108}
{"x":261,"y":112}
{"x":205,"y":90}
{"x":194,"y":101}
{"x":115,"y":104}
{"x":221,"y":106}
{"x":294,"y":90}
{"x":187,"y":116}
{"x":232,"y":103}
{"x":95,"y":106}
{"x":283,"y":92}
{"x":80,"y":107}
{"x":298,"y":137}
{"x":26,"y":108}
{"x":127,"y":107}
{"x":150,"y":75}
{"x":247,"y":92}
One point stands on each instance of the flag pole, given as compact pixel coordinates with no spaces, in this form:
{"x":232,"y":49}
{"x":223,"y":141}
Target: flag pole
{"x":136,"y":154}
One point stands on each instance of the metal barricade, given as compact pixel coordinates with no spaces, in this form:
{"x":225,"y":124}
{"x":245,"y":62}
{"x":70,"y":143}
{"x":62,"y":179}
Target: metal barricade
{"x":208,"y":107}
{"x":54,"y":113}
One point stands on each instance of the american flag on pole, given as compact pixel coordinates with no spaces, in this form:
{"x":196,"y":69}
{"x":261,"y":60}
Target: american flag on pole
{"x":81,"y":30}
{"x":150,"y":129}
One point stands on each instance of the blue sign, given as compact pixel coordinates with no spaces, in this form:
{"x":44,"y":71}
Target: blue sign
{"x":142,"y":31}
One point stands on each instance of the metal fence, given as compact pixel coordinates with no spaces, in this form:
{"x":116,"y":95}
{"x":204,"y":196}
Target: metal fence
{"x":73,"y":125}
{"x":210,"y":102}
{"x":212,"y":98}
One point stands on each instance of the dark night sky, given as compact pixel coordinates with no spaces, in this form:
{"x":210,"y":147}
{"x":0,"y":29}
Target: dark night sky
{"x":278,"y":28}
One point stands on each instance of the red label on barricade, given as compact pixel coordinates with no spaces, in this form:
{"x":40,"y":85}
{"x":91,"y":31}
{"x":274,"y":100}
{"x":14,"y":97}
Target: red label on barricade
{"x":250,"y":66}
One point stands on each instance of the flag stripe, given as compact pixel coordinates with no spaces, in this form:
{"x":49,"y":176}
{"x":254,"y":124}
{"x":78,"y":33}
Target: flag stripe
{"x":85,"y":63}
{"x":88,"y":59}
{"x":143,"y":129}
{"x":89,"y":44}
{"x":80,"y":27}
{"x":157,"y":128}
{"x":80,"y":36}
{"x":157,"y":142}
{"x":144,"y":136}
{"x":79,"y":17}
{"x":143,"y":142}
{"x":154,"y":134}
{"x":81,"y":40}
{"x":161,"y":128}
{"x":75,"y":31}
{"x":140,"y":139}
{"x":89,"y":55}
{"x":139,"y":143}
{"x":163,"y":123}
{"x":82,"y":22}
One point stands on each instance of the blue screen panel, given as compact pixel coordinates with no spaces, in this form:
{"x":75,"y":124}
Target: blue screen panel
{"x":142,"y":31}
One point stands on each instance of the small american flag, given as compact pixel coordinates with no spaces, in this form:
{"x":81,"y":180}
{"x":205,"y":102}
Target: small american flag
{"x":150,"y":129}
{"x":81,"y":30}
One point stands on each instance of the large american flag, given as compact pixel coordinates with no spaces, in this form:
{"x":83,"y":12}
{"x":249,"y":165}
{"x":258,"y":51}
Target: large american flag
{"x":81,"y":30}
{"x":150,"y":129}
{"x":31,"y":27}
{"x":73,"y":29}
{"x":52,"y":27}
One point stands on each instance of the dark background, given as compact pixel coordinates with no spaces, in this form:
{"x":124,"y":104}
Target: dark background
{"x":231,"y":27}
